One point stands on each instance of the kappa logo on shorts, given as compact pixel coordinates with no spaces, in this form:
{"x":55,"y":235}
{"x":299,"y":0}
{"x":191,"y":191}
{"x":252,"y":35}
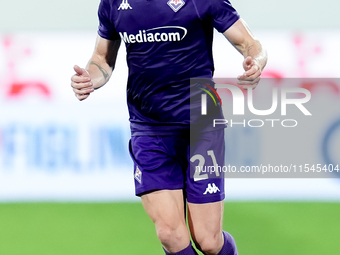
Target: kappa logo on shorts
{"x":176,"y":4}
{"x":124,"y":5}
{"x":211,"y":189}
{"x":138,"y":175}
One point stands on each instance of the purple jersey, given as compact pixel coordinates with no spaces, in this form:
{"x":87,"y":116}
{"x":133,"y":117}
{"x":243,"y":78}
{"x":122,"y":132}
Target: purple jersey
{"x":167,"y":44}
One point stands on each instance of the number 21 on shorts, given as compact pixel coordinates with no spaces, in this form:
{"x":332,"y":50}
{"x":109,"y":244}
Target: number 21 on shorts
{"x":201,"y":170}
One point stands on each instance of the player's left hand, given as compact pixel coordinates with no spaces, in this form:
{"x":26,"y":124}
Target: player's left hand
{"x":252,"y":74}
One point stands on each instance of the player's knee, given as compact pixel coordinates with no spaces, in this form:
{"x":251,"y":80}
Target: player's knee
{"x":164,"y":234}
{"x":210,"y":244}
{"x":169,"y":235}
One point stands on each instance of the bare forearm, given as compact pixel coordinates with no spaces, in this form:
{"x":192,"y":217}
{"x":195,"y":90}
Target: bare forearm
{"x":100,"y":72}
{"x":103,"y":61}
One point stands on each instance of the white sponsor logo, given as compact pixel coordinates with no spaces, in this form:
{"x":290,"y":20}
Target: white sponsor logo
{"x":124,"y":5}
{"x":211,"y":189}
{"x":138,"y":175}
{"x":152,"y":35}
{"x":176,"y":4}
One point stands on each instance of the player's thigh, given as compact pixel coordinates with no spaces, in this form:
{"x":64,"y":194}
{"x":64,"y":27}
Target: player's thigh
{"x":165,"y":205}
{"x":206,"y":222}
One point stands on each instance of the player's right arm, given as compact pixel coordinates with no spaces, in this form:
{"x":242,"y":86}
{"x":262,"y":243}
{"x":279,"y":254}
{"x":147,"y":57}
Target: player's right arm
{"x":98,"y":70}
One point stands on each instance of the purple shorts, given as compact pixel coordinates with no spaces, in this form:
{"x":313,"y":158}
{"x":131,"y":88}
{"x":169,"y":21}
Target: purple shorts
{"x":180,"y":162}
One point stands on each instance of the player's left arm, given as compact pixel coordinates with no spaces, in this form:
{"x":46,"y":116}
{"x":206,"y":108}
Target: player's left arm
{"x":255,"y":56}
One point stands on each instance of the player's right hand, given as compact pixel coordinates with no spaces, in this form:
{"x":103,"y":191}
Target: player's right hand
{"x":81,"y":83}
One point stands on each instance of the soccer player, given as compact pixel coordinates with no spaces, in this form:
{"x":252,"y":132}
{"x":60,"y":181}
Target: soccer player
{"x":168,"y":43}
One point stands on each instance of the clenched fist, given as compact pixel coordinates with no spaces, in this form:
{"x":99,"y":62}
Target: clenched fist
{"x":81,"y":83}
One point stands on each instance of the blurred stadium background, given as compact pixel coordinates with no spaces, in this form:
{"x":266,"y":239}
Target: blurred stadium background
{"x":66,"y":185}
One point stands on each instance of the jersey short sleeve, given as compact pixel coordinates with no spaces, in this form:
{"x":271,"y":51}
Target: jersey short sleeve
{"x":223,"y":13}
{"x":106,"y":29}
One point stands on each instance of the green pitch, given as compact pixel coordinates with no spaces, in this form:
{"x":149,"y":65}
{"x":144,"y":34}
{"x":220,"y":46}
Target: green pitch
{"x":124,"y":228}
